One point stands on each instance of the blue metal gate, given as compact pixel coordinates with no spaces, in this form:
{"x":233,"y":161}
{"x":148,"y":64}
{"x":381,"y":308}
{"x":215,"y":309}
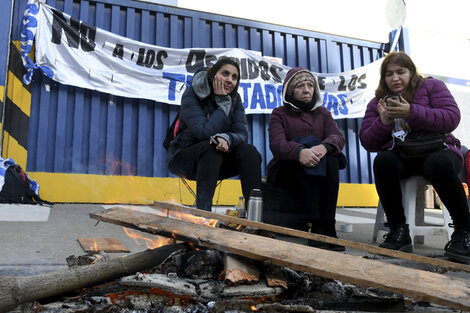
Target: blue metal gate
{"x":73,"y":130}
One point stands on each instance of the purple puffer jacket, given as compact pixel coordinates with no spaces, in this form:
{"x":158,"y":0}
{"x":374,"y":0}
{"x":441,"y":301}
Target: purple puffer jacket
{"x":433,"y":108}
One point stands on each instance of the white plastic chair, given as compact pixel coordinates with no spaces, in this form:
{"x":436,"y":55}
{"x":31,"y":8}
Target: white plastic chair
{"x":413,"y":202}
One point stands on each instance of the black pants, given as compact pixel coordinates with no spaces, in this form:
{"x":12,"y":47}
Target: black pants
{"x":439,"y":168}
{"x":317,"y":195}
{"x":204,"y":164}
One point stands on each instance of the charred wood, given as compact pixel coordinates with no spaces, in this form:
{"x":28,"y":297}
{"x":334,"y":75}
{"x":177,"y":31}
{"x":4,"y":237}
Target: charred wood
{"x":17,"y":290}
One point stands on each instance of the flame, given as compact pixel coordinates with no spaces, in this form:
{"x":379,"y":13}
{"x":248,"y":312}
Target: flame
{"x":253,"y":308}
{"x":187,"y":217}
{"x":93,"y":248}
{"x":98,"y":257}
{"x":150,"y":243}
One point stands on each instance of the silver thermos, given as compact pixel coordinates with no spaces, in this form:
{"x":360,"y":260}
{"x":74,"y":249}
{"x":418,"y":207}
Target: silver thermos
{"x":255,"y":206}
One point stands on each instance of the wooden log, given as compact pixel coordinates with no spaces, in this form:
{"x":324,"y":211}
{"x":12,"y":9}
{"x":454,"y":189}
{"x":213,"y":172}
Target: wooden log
{"x":446,"y":265}
{"x":239,"y":270}
{"x":418,"y":284}
{"x":17,"y":290}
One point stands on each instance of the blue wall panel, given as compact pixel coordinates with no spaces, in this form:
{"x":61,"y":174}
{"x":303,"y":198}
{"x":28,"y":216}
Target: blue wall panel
{"x":73,"y":130}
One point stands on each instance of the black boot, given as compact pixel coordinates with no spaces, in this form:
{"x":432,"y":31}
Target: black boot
{"x":329,"y":229}
{"x":316,"y":228}
{"x":398,"y":238}
{"x":458,"y":248}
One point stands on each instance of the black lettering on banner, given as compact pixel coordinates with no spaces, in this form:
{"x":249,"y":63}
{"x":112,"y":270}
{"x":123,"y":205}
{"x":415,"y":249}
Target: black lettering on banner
{"x":274,"y":72}
{"x":161,"y":54}
{"x":321,"y":82}
{"x":210,"y":60}
{"x":342,"y":84}
{"x":352,"y":82}
{"x":77,"y":32}
{"x":244,"y":72}
{"x":87,"y":38}
{"x":253,"y":70}
{"x":118,"y":51}
{"x":146,"y":59}
{"x":149,"y":58}
{"x":264,"y":70}
{"x":140,"y":58}
{"x":195,"y":60}
{"x":362,"y":85}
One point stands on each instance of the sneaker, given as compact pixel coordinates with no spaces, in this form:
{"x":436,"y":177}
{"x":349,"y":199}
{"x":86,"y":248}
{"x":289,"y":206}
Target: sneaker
{"x":458,"y":248}
{"x":398,"y":238}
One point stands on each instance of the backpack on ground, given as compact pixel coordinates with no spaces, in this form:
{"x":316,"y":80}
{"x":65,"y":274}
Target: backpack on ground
{"x":172,"y":131}
{"x":17,"y":187}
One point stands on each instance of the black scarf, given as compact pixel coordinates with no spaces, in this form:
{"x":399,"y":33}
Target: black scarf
{"x":304,"y":106}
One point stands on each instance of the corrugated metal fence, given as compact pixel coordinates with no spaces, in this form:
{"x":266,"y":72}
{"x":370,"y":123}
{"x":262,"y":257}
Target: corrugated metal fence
{"x":73,"y":130}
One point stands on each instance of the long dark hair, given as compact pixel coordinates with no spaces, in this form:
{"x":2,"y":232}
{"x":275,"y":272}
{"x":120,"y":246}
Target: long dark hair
{"x":402,"y":59}
{"x":218,"y":65}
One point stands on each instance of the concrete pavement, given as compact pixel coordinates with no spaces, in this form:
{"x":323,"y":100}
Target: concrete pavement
{"x":38,"y":239}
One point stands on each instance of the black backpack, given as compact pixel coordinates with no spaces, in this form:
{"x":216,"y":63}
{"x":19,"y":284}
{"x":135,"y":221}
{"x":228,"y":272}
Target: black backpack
{"x":172,"y":131}
{"x":16,"y":188}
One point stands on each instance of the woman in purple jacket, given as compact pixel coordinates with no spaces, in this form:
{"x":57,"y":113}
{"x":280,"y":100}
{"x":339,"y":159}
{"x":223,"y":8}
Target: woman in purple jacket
{"x":305,"y":141}
{"x":424,"y":105}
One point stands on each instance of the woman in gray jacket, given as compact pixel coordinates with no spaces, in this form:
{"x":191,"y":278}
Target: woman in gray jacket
{"x":212,"y":141}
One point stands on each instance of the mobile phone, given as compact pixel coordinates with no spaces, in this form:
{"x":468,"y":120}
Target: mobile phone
{"x":395,"y":97}
{"x":214,"y":141}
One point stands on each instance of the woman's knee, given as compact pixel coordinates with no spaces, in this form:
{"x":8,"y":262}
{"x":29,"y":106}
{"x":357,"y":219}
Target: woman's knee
{"x":441,"y":164}
{"x":248,"y":151}
{"x":386,"y":161}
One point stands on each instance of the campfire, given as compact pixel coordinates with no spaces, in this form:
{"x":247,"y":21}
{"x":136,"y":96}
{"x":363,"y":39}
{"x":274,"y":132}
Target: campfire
{"x":218,"y":263}
{"x":195,"y":279}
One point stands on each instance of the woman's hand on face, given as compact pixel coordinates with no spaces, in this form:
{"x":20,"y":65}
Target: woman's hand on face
{"x":382,"y":109}
{"x":218,"y":85}
{"x":223,"y":145}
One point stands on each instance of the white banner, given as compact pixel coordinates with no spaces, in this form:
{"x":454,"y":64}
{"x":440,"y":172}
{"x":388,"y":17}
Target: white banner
{"x":74,"y":53}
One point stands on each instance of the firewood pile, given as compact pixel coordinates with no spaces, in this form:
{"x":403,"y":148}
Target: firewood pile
{"x":213,"y":269}
{"x":207,"y":280}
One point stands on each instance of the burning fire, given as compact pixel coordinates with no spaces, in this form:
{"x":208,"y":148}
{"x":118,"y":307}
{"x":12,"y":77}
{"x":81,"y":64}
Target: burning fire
{"x":150,"y":243}
{"x":94,"y":248}
{"x":193,"y":219}
{"x":187,"y":217}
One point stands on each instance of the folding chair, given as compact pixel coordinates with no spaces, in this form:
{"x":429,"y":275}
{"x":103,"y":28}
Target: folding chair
{"x":191,"y":191}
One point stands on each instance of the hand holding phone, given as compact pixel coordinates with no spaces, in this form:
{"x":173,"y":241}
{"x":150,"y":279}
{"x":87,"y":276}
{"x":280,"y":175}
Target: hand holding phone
{"x":214,"y":141}
{"x":395,"y":97}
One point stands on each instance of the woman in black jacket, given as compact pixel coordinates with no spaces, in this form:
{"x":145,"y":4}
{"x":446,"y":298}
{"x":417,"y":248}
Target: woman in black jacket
{"x":212,"y":141}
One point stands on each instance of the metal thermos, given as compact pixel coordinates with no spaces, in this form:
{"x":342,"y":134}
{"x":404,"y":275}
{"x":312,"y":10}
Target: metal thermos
{"x":255,"y":206}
